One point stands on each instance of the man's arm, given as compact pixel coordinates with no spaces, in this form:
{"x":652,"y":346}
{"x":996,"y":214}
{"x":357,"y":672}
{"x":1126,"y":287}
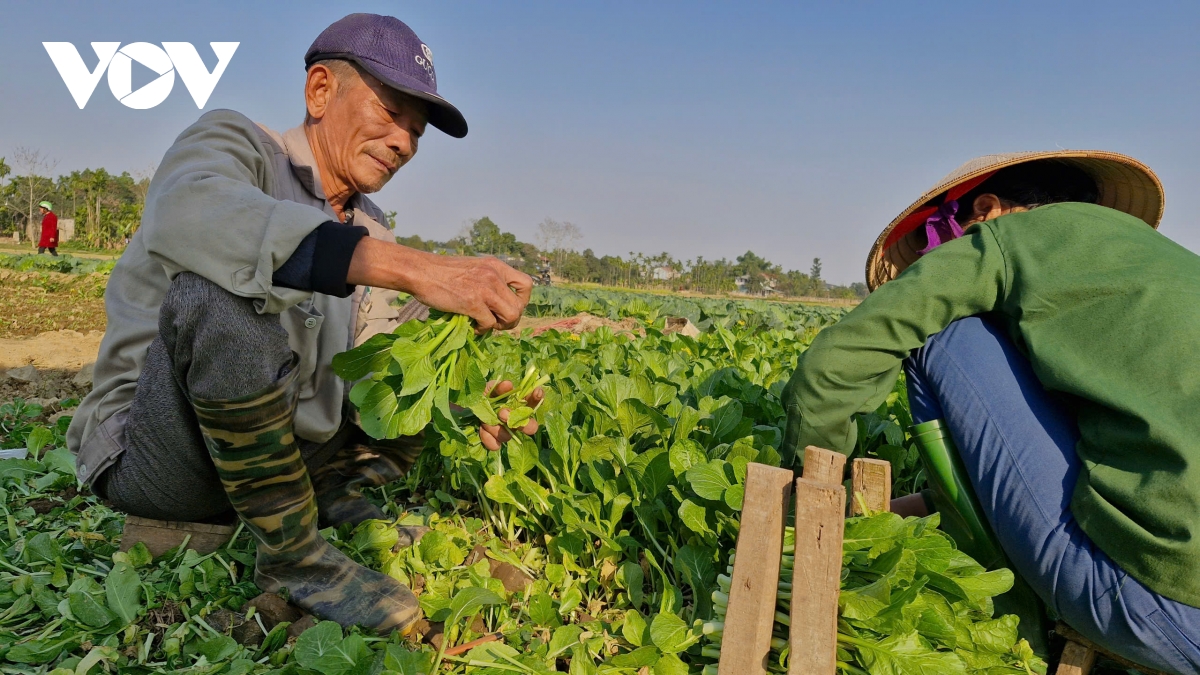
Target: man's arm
{"x":485,"y":289}
{"x":852,"y":366}
{"x":207,"y":212}
{"x":321,"y":262}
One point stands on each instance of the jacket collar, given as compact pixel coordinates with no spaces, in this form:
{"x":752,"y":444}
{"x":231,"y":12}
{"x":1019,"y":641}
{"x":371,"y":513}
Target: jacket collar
{"x":304,"y":165}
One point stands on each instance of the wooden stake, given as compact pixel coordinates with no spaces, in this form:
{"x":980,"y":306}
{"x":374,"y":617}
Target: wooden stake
{"x":824,"y":466}
{"x":871,"y":481}
{"x":816,"y":577}
{"x":1076,"y":660}
{"x":751,"y":613}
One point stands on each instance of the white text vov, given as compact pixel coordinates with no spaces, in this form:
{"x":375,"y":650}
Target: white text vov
{"x":172,"y":57}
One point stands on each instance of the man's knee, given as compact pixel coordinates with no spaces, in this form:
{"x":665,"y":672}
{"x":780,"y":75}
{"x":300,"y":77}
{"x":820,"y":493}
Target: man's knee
{"x":220,"y":345}
{"x":192,"y":298}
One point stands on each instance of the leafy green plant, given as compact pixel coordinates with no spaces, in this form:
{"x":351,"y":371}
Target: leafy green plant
{"x":911,"y":602}
{"x":65,"y":264}
{"x":593,"y":546}
{"x":418,"y":371}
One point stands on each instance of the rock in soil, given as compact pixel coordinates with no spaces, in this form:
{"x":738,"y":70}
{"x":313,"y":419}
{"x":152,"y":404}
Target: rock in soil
{"x":434,"y":633}
{"x":248,"y":634}
{"x":478,"y":553}
{"x":23,"y":374}
{"x":514,"y":579}
{"x":84,"y":377}
{"x":274,"y":609}
{"x":234,"y":624}
{"x":223,"y":620}
{"x":304,"y":623}
{"x":678,"y":324}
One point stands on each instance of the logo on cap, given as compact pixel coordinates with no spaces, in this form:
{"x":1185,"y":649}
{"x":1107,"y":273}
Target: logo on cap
{"x":426,"y":62}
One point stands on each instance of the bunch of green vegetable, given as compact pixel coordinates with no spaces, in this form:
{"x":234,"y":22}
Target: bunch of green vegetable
{"x":911,"y":602}
{"x":418,"y":372}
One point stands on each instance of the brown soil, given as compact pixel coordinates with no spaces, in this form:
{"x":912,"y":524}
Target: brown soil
{"x":42,"y":506}
{"x":35,"y":302}
{"x":53,"y":350}
{"x":51,"y":387}
{"x":580,"y":323}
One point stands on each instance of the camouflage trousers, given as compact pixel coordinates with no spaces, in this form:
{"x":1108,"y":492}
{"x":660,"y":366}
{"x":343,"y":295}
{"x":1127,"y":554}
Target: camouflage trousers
{"x":253,"y":449}
{"x":211,"y":344}
{"x":211,"y":432}
{"x":360,"y":464}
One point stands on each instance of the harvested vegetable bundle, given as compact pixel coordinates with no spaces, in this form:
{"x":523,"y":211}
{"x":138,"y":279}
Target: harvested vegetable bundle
{"x":910,"y":603}
{"x":415,"y":374}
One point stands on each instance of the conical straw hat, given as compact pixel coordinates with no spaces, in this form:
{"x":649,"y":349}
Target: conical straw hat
{"x":1123,"y":183}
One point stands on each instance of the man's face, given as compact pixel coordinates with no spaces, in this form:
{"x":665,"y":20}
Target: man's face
{"x":370,"y":131}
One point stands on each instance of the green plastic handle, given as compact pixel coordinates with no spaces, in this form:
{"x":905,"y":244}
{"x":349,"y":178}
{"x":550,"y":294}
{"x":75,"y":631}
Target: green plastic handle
{"x":964,"y":521}
{"x":962,"y":518}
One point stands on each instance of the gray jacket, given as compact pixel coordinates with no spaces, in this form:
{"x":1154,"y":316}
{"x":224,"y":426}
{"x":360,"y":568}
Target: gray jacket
{"x":231,"y":201}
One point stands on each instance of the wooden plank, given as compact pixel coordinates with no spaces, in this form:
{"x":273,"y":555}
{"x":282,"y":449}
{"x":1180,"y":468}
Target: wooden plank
{"x":1076,"y":660}
{"x":816,"y":577}
{"x":160,"y":536}
{"x":871,"y":481}
{"x":751,"y":613}
{"x":1072,"y":635}
{"x":824,"y":466}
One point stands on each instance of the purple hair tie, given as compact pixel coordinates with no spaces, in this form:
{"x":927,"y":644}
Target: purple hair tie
{"x":941,"y":227}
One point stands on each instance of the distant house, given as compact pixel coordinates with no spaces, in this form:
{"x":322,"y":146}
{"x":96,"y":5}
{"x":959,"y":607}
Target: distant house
{"x":769,"y":282}
{"x":664,"y":273}
{"x":510,"y":260}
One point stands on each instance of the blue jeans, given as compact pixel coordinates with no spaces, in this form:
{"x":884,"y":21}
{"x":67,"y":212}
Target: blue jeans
{"x":1018,"y":444}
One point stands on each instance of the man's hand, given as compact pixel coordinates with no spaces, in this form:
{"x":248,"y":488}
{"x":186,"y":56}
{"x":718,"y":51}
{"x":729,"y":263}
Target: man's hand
{"x":485,"y":289}
{"x":494,"y":435}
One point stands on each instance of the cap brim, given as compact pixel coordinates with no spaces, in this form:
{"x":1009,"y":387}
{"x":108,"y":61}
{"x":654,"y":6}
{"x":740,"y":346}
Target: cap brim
{"x":442,"y":114}
{"x":1125,"y":184}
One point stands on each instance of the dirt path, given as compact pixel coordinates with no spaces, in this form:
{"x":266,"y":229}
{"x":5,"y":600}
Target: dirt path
{"x":53,"y":350}
{"x":21,"y":249}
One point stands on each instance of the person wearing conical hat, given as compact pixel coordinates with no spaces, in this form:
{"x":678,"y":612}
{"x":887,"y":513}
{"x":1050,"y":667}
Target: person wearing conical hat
{"x":1036,"y":311}
{"x":49,"y":238}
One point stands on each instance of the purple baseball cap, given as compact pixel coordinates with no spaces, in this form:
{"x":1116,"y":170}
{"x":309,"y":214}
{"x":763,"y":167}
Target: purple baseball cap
{"x":389,"y":50}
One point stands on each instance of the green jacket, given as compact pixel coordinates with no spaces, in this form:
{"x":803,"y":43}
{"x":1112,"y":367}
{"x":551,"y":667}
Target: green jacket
{"x":1108,"y":312}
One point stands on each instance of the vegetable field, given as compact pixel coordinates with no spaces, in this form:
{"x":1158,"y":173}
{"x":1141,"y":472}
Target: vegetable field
{"x":600,"y":544}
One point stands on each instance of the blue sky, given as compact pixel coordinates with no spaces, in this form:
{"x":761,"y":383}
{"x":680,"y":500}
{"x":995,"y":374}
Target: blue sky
{"x":797,"y":130}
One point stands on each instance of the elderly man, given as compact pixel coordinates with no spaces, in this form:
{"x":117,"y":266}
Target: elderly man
{"x":258,"y":259}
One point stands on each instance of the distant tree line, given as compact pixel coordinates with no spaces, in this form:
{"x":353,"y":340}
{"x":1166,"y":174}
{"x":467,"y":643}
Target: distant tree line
{"x":107,"y":208}
{"x":556,"y":245}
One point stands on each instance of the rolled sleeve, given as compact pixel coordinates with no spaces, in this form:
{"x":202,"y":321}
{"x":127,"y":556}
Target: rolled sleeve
{"x":322,"y":261}
{"x":208,"y":212}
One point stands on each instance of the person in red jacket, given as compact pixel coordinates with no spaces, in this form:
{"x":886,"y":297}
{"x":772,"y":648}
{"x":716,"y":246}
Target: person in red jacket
{"x":49,"y":238}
